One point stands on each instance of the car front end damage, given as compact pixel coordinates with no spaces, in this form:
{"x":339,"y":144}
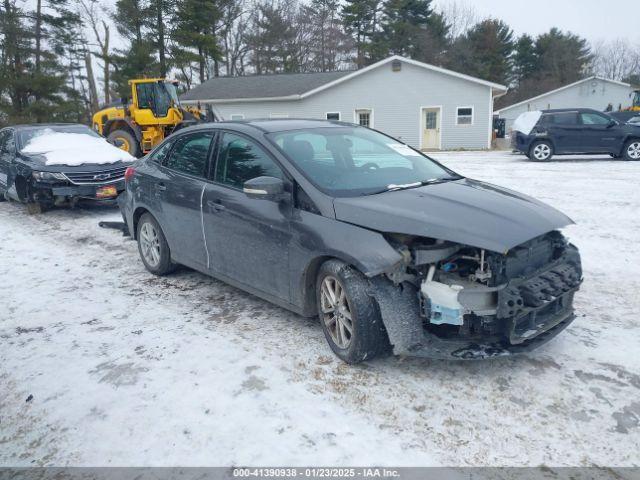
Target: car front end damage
{"x":448,"y":300}
{"x":68,"y":186}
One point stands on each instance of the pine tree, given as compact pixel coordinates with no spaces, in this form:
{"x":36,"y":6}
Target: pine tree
{"x":158,"y":18}
{"x":39,"y":64}
{"x":563,"y":57}
{"x":137,"y":59}
{"x":485,"y":51}
{"x":360,"y":20}
{"x":194,"y":32}
{"x":525,"y":59}
{"x":404,"y":25}
{"x":329,"y":43}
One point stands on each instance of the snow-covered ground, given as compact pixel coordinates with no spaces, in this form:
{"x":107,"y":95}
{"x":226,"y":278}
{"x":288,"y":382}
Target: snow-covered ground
{"x":102,"y":363}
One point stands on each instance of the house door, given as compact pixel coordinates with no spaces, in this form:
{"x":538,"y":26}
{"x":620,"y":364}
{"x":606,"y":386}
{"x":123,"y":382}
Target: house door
{"x":431,"y":128}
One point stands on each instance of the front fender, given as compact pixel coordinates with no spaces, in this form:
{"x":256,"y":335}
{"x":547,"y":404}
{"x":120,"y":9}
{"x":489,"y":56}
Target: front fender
{"x":316,"y":239}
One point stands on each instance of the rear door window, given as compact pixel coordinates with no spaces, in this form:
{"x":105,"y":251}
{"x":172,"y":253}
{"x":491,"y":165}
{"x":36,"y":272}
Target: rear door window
{"x":564,"y":119}
{"x":190,"y":154}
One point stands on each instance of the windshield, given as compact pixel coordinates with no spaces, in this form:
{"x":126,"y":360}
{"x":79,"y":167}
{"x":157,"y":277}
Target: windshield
{"x":157,"y":96}
{"x":350,"y":161}
{"x":25,"y":136}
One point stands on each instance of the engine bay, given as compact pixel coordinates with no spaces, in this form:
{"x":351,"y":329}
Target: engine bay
{"x":476,"y":294}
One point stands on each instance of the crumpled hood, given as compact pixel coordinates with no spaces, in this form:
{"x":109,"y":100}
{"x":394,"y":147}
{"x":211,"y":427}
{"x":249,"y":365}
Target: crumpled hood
{"x":463,"y":211}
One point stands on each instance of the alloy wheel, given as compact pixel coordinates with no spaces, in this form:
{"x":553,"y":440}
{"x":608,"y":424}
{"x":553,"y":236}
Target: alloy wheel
{"x":336,"y":313}
{"x":633,"y":150}
{"x":150,"y":244}
{"x":541,"y":151}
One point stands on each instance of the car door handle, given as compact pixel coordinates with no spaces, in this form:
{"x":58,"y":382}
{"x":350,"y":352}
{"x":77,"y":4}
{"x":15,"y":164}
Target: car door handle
{"x":216,"y":206}
{"x":161,"y":187}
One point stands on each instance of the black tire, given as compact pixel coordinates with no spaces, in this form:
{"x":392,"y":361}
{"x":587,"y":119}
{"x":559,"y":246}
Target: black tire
{"x":131,"y":144}
{"x":540,"y":151}
{"x":3,"y":194}
{"x":164,"y":264}
{"x":631,"y":150}
{"x":368,"y":337}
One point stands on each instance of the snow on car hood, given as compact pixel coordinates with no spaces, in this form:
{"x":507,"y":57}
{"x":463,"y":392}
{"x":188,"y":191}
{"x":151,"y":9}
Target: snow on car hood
{"x":463,"y":211}
{"x":526,"y":121}
{"x":60,"y":148}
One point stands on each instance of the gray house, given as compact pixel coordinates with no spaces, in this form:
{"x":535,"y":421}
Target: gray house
{"x":425,"y":106}
{"x":592,"y":92}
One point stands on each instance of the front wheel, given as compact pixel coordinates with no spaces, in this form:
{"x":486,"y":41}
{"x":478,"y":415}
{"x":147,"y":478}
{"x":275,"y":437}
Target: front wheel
{"x":350,"y":318}
{"x":631,"y":150}
{"x":153,"y":246}
{"x":541,"y":151}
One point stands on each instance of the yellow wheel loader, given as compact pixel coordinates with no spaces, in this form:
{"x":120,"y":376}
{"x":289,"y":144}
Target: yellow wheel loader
{"x":141,"y":122}
{"x":635,"y":104}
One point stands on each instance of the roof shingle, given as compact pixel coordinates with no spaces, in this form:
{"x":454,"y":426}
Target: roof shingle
{"x":261,"y":86}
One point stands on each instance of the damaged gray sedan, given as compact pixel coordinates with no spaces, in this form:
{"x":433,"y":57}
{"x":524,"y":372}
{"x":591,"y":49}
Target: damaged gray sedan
{"x":393,"y":251}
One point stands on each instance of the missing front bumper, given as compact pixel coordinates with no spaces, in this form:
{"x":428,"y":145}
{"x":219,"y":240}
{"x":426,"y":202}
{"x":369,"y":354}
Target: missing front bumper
{"x":511,"y":330}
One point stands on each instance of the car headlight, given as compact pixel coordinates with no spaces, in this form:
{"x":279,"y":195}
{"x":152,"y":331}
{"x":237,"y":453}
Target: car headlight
{"x":48,"y":176}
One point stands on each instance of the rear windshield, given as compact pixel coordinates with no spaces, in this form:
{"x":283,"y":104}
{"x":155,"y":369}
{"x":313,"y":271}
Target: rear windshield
{"x":24,"y":136}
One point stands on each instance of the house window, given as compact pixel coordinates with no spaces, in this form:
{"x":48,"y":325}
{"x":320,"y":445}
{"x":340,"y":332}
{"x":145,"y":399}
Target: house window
{"x":279,"y":115}
{"x":237,"y":116}
{"x":464,"y":116}
{"x":333,"y":116}
{"x":364,"y":118}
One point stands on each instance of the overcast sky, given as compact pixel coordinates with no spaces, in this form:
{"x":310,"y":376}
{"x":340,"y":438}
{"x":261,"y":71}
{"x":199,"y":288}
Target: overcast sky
{"x":593,"y":19}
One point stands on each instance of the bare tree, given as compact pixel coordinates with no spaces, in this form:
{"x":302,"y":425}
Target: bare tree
{"x":91,"y":80}
{"x":617,"y":59}
{"x":236,"y":17}
{"x":91,"y":11}
{"x":460,"y":16}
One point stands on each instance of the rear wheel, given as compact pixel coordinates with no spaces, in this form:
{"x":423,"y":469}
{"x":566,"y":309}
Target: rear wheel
{"x":127,"y":140}
{"x":541,"y":151}
{"x":350,"y":318}
{"x":153,"y":246}
{"x":631,"y":150}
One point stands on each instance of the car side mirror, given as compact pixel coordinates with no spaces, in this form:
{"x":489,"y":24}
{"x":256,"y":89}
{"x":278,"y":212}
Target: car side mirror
{"x":268,"y":188}
{"x":612,"y":123}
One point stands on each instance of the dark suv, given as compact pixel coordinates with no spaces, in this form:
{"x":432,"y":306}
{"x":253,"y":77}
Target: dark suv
{"x":578,"y":132}
{"x":26,"y":177}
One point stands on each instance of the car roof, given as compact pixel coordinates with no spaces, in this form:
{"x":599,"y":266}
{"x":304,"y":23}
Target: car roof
{"x":571,"y":110}
{"x":30,"y":126}
{"x":271,"y":125}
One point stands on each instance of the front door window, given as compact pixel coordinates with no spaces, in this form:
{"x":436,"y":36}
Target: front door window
{"x":241,"y":159}
{"x":190,"y":154}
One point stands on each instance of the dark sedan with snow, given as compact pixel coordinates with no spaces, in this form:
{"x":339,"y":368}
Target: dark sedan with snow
{"x":392,"y":250}
{"x":54,"y":164}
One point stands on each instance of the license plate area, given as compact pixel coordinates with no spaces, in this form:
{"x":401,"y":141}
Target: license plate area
{"x":107,"y":191}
